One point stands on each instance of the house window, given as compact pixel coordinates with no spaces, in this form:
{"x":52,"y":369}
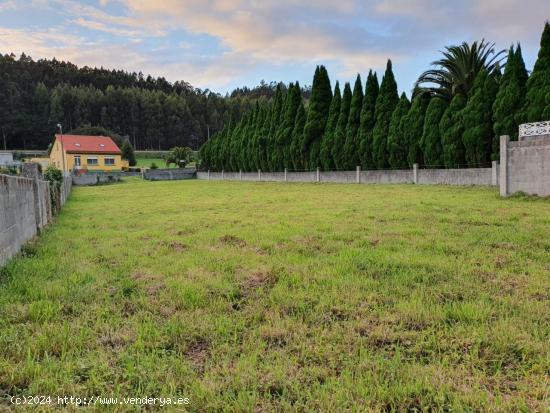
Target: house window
{"x":109,"y":161}
{"x":77,"y":160}
{"x":92,"y":161}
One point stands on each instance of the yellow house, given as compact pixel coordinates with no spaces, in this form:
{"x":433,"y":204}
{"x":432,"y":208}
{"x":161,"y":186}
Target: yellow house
{"x":92,"y":153}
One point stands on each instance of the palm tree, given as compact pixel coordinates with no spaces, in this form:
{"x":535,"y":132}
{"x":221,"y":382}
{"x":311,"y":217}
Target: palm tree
{"x":456,"y":71}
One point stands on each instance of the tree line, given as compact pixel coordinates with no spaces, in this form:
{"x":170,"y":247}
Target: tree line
{"x":457,"y":114}
{"x":151,"y":112}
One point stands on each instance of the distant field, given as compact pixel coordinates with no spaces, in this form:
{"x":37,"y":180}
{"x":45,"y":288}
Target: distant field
{"x":285,"y":297}
{"x":146,"y":162}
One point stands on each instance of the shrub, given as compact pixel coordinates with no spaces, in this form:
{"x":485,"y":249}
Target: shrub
{"x":154,"y":166}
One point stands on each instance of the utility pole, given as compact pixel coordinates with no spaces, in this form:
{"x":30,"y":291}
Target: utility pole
{"x":62,"y":149}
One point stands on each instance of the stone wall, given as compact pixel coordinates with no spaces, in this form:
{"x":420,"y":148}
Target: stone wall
{"x":474,"y":176}
{"x":525,"y":165}
{"x":168,"y":174}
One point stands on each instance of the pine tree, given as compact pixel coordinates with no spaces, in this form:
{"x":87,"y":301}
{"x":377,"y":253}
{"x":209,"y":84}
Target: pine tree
{"x":397,"y":145}
{"x":296,"y":153}
{"x":451,"y":128}
{"x":351,"y":149}
{"x":478,"y":124}
{"x":385,"y":105}
{"x":339,"y":140}
{"x":317,"y":116}
{"x":431,"y":142}
{"x":367,"y":120}
{"x":328,"y":138}
{"x":510,"y":98}
{"x":537,"y":99}
{"x":414,"y":126}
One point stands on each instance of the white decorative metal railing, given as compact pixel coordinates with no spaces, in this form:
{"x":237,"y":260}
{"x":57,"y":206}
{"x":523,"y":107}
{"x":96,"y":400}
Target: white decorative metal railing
{"x":534,"y":129}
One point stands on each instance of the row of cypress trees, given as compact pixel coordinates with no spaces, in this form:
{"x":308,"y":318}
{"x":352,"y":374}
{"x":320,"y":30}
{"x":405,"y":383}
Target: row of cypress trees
{"x":376,"y":128}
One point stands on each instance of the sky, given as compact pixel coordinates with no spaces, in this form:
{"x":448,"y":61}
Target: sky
{"x":223,"y":44}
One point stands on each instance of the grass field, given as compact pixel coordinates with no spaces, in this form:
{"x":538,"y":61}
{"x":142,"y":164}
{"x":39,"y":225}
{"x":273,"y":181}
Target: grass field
{"x":273,"y":297}
{"x":146,"y":162}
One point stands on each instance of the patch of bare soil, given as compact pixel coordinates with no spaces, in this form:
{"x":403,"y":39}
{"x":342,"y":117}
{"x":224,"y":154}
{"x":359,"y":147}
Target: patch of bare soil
{"x":233,"y":241}
{"x":197,"y":352}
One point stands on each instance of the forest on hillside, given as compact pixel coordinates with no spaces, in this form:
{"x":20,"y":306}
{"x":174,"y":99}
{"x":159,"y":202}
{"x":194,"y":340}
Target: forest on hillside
{"x":459,"y":108}
{"x":151,"y":112}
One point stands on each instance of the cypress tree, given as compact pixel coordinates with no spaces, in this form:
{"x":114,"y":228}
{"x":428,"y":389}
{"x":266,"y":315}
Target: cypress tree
{"x":385,"y":105}
{"x":414,"y":126}
{"x":263,"y":150}
{"x":317,"y":116}
{"x":328,"y":138}
{"x":276,"y":112}
{"x":537,"y":99}
{"x":431,"y":142}
{"x":397,"y":145}
{"x":253,"y":151}
{"x":510,"y":99}
{"x":284,"y":137}
{"x":339,"y":140}
{"x":296,"y":153}
{"x":351,"y":155}
{"x":478,"y":124}
{"x":451,"y":128}
{"x":367,"y":120}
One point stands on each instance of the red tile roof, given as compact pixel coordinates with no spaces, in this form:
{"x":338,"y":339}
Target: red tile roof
{"x":88,"y":144}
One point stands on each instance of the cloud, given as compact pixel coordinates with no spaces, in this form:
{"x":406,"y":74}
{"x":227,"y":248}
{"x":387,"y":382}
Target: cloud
{"x":213,"y":42}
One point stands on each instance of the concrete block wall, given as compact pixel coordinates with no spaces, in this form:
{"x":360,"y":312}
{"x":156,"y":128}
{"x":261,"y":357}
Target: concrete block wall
{"x":168,"y":174}
{"x":25,"y":208}
{"x":525,"y":165}
{"x":471,"y":176}
{"x":95,"y":178}
{"x":474,"y":176}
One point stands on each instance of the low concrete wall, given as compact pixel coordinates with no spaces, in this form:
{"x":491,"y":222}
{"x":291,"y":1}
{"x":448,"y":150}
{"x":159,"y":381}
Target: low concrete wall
{"x":474,"y":176}
{"x":525,"y":165}
{"x":95,"y":178}
{"x":169,"y":174}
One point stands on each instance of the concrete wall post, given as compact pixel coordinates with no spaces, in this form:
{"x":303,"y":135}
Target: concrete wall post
{"x":259,"y":174}
{"x":36,"y":196}
{"x":415,"y":173}
{"x":222,"y":174}
{"x":503,"y":178}
{"x":318,"y":177}
{"x":494,"y":174}
{"x":358,"y":174}
{"x":286,"y":178}
{"x":240,"y":175}
{"x":209,"y":174}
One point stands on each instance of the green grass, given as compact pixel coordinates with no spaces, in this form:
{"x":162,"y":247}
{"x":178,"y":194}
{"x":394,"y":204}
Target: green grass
{"x":146,"y":162}
{"x":273,"y":297}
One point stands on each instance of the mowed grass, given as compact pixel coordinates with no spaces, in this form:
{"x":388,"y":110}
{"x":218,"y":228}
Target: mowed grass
{"x":147,"y":162}
{"x":285,"y":297}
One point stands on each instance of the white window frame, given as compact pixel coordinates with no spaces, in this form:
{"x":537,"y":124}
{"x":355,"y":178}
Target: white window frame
{"x":77,"y":160}
{"x":92,"y":158}
{"x":110,"y":158}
